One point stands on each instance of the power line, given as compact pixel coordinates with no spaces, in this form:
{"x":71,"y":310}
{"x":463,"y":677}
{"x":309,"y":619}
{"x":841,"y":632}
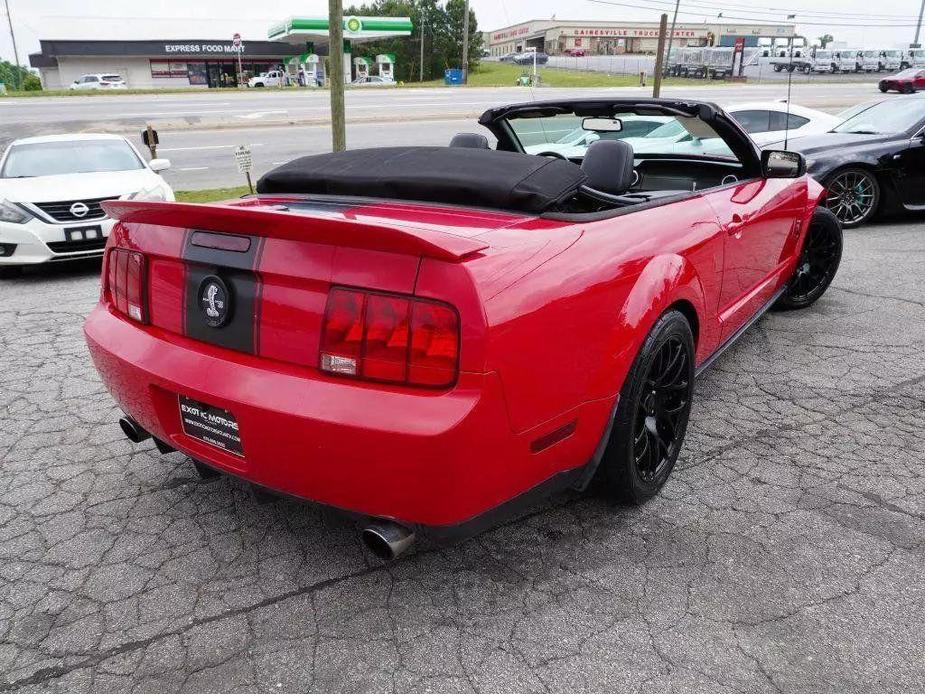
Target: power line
{"x":777,"y":11}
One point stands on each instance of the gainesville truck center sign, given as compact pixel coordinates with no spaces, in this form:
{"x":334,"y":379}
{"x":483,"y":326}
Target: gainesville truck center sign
{"x":635,"y":33}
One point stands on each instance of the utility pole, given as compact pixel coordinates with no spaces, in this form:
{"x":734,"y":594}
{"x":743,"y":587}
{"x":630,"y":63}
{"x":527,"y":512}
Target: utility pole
{"x":918,"y":26}
{"x":660,"y":56}
{"x":465,"y":55}
{"x":674,"y":20}
{"x":336,"y":80}
{"x":421,"y":66}
{"x":16,"y":72}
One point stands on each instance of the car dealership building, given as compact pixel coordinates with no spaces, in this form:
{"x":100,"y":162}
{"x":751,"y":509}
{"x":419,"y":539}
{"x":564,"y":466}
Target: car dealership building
{"x":611,"y":38}
{"x":156,"y":63}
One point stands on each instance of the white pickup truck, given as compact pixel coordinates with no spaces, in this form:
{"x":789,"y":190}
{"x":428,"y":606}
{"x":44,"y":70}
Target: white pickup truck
{"x":273,"y":78}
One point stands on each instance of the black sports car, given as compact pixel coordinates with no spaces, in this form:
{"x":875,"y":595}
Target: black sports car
{"x":873,"y":162}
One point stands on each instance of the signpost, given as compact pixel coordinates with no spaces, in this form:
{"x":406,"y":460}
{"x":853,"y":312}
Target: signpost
{"x":245,"y":162}
{"x":238,"y":47}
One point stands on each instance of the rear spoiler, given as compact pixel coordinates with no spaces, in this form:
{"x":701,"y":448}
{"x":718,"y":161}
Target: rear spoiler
{"x":281,"y":224}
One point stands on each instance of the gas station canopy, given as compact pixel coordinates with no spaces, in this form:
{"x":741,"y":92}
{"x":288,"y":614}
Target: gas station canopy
{"x":298,"y":30}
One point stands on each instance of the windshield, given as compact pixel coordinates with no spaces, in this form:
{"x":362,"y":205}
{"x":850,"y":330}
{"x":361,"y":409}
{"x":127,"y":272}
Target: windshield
{"x":823,"y":54}
{"x":893,"y":116}
{"x":563,"y":134}
{"x":69,"y":157}
{"x":892,"y":54}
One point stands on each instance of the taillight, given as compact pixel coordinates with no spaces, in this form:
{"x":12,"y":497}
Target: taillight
{"x":127,"y":283}
{"x":390,"y":337}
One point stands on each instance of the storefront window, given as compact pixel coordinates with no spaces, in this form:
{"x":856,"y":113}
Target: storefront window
{"x":164,"y":68}
{"x":197,"y":74}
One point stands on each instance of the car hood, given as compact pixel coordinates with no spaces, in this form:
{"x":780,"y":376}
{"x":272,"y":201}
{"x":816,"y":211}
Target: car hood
{"x":78,"y":186}
{"x":816,"y":144}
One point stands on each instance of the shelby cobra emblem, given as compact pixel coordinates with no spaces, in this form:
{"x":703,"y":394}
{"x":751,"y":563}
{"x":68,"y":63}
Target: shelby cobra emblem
{"x":214,"y":301}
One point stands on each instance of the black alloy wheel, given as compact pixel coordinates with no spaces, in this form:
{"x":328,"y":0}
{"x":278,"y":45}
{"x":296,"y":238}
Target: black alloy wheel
{"x":853,"y":196}
{"x":817,"y":265}
{"x":653,"y":412}
{"x":908,"y":89}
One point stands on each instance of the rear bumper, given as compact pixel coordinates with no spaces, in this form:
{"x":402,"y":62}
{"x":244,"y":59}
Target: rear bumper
{"x":426,"y":459}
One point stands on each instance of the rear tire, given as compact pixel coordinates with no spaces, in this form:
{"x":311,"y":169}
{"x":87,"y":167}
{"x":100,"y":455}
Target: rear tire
{"x":653,"y":412}
{"x":817,"y":265}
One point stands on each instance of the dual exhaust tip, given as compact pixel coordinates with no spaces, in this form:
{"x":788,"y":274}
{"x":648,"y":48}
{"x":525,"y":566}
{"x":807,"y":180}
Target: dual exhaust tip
{"x":384,"y":538}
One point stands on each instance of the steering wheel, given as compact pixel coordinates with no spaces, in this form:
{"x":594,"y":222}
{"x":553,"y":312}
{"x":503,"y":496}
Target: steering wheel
{"x":553,"y":155}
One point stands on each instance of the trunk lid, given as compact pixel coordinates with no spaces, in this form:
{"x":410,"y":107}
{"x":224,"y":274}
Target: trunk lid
{"x":266,"y":265}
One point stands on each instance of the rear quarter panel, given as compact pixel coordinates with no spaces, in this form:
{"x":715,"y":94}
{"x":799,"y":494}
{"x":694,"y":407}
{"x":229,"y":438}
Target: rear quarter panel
{"x":566,"y":333}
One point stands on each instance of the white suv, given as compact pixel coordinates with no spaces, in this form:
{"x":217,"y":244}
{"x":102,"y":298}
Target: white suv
{"x":100,"y":81}
{"x":51,"y":190}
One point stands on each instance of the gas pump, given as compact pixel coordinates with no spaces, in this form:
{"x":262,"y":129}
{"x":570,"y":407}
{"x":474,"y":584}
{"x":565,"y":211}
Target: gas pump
{"x":385,"y":63}
{"x":311,"y":69}
{"x":361,"y":67}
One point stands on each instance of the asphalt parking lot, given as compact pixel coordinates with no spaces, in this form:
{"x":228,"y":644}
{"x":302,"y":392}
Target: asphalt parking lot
{"x":785,"y":555}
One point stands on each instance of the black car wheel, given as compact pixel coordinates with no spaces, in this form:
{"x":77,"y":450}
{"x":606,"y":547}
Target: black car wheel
{"x":883,"y":88}
{"x":853,"y":196}
{"x":653,"y":412}
{"x":908,"y":89}
{"x":818,"y":263}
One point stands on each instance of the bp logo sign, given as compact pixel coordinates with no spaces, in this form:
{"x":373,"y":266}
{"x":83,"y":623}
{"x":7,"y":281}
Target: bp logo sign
{"x":354,"y":25}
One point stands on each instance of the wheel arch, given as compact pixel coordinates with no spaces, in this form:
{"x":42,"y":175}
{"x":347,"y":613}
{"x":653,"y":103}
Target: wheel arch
{"x":668,"y":281}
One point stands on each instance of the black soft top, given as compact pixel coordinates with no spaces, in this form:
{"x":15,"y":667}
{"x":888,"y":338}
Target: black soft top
{"x":453,"y":175}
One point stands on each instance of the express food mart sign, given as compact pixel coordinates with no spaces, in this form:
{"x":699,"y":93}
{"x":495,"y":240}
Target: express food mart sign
{"x":199,"y":47}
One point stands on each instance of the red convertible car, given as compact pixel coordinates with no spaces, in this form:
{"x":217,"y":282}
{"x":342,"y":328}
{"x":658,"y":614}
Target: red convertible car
{"x":430,"y":337}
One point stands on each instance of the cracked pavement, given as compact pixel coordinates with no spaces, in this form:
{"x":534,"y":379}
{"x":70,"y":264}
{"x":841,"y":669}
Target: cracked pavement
{"x":785,"y":554}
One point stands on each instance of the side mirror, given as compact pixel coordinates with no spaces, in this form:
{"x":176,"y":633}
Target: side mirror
{"x":782,"y":164}
{"x":158,"y":165}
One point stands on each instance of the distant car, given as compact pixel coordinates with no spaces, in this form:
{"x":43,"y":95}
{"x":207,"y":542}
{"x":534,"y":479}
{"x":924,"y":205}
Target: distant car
{"x":99,"y":81}
{"x":575,"y":52}
{"x":764,"y":121}
{"x":526,"y":58}
{"x":273,"y":78}
{"x":370,"y":81}
{"x":51,"y":190}
{"x":508,"y":57}
{"x":872,"y":162}
{"x":906,"y":82}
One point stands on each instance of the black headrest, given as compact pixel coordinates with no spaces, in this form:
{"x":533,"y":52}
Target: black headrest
{"x":470,"y":140}
{"x":609,"y":166}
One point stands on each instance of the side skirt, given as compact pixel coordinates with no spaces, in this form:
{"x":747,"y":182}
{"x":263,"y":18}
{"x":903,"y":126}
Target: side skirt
{"x":708,"y":362}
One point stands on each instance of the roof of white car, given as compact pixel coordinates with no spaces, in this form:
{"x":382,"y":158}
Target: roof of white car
{"x":66,"y":138}
{"x":778,"y":106}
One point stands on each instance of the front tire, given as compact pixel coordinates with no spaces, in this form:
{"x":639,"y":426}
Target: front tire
{"x":818,"y":263}
{"x":853,"y":195}
{"x":652,"y":416}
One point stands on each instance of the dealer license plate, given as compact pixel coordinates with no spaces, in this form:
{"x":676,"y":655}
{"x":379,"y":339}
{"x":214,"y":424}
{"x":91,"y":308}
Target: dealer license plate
{"x":210,"y":424}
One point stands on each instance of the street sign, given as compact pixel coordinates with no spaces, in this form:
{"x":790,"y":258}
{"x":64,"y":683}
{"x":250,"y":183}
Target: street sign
{"x":243,"y":158}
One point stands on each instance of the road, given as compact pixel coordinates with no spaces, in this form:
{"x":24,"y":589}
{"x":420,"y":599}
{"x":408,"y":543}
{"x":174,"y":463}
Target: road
{"x":199,"y":130}
{"x":784,"y":555}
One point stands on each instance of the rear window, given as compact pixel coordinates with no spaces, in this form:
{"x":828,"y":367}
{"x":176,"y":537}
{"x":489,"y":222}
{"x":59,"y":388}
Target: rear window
{"x":112,"y":78}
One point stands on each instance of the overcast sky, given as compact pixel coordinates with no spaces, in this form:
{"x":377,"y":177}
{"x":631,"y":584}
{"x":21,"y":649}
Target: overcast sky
{"x":106,"y":19}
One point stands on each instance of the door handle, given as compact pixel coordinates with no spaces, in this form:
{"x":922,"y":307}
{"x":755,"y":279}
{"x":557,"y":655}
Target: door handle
{"x":734,"y":228}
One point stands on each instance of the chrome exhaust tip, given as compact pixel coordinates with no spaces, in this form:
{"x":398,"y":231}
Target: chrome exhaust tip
{"x":133,"y":430}
{"x":386,"y":539}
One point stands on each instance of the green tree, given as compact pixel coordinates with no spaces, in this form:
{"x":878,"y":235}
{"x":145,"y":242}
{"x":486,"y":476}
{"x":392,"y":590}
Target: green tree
{"x":18,"y":77}
{"x":825,"y":40}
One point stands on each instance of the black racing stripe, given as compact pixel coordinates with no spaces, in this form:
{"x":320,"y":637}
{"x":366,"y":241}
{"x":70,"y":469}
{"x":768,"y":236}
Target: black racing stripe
{"x":236,"y":269}
{"x":258,"y":305}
